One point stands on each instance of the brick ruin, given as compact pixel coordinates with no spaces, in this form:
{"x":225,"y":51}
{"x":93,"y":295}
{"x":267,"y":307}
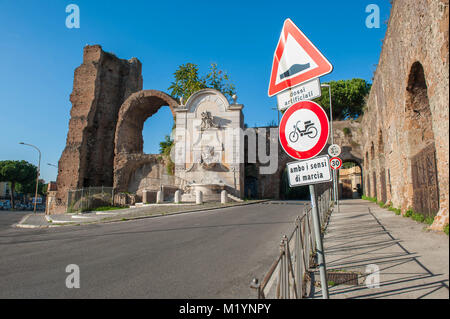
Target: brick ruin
{"x":406,"y":124}
{"x":105,"y":89}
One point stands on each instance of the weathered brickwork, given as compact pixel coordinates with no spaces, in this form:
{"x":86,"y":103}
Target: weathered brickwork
{"x":101,"y":84}
{"x":406,"y":124}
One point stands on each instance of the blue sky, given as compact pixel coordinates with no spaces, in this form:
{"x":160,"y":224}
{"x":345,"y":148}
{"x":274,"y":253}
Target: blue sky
{"x":38,"y":55}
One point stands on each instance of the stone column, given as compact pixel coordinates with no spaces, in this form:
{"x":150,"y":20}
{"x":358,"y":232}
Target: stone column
{"x":176,"y":197}
{"x":160,"y":197}
{"x":145,"y":196}
{"x":199,"y":197}
{"x":223,"y":197}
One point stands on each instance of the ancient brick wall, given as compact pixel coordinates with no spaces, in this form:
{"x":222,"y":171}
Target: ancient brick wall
{"x":101,"y":84}
{"x":405,"y":126}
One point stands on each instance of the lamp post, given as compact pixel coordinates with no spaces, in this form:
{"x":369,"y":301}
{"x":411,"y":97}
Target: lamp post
{"x":37,"y":175}
{"x":336,"y":195}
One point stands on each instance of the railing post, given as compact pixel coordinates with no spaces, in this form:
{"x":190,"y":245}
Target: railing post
{"x":298,"y":258}
{"x":256,"y":285}
{"x":283,"y":273}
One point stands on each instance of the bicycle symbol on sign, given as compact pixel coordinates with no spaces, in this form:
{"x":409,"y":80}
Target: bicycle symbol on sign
{"x":309,"y":131}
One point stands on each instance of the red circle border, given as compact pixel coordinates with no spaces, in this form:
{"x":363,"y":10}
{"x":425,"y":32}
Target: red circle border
{"x":339,"y":161}
{"x":325,"y":130}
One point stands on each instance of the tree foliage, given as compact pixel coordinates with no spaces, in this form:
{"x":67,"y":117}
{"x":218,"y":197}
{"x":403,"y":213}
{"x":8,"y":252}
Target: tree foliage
{"x":17,"y":172}
{"x":188,"y":81}
{"x":347,"y":98}
{"x":164,"y":148}
{"x":30,"y":188}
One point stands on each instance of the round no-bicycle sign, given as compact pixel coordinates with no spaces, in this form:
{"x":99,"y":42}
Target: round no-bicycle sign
{"x":303,"y":130}
{"x":335,"y":163}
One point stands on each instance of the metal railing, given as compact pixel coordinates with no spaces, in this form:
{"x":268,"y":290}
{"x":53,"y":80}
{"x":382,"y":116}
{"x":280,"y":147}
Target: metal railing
{"x":289,"y":275}
{"x":88,"y":198}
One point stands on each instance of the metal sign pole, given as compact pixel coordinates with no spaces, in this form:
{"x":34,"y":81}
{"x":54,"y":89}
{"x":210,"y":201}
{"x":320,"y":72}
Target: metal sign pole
{"x":336,"y":192}
{"x":319,"y":246}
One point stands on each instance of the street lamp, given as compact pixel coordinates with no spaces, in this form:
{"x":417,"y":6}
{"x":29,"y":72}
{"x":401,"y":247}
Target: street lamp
{"x":336,"y":195}
{"x":37,"y":176}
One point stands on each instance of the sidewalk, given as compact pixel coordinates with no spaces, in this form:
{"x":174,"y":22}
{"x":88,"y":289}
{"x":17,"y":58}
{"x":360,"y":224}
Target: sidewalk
{"x":413,"y":262}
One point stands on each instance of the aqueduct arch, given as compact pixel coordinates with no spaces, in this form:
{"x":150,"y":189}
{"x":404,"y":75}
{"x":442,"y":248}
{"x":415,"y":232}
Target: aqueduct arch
{"x":423,"y":182}
{"x":132,"y":115}
{"x":129,"y":156}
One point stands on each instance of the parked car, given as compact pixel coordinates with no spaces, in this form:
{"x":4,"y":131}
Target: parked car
{"x":5,"y":205}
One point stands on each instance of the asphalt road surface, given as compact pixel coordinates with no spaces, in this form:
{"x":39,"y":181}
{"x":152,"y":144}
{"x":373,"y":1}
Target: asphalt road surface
{"x":9,"y":217}
{"x":211,"y":254}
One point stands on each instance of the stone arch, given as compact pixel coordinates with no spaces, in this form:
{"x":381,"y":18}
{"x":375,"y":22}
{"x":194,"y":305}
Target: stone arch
{"x":367,"y":190}
{"x":129,"y":157}
{"x":351,"y":180}
{"x":423,"y":179}
{"x":381,"y":165}
{"x":132,"y":115}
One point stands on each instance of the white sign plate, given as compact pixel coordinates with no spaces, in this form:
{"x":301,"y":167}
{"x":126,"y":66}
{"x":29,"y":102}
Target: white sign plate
{"x":303,"y":92}
{"x":313,"y":171}
{"x":334,"y":150}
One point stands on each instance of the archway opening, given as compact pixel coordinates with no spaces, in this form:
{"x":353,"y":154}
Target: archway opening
{"x":350,"y":180}
{"x":292,"y":193}
{"x":422,"y":150}
{"x":156,"y":129}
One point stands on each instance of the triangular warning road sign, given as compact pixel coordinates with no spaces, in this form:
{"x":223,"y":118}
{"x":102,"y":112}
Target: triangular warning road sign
{"x":296,"y":60}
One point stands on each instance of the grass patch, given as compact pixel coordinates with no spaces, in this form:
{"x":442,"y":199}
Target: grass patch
{"x":446,"y":229}
{"x":409,"y":213}
{"x":106,"y":208}
{"x":331,"y":283}
{"x":371,"y":199}
{"x":429,"y":220}
{"x":418,"y":217}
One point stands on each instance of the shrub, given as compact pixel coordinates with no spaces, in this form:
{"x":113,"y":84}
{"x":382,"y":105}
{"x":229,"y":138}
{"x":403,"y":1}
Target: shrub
{"x":429,"y":220}
{"x":409,"y":213}
{"x":418,"y":217}
{"x":446,"y":229}
{"x":397,"y":211}
{"x":347,"y":131}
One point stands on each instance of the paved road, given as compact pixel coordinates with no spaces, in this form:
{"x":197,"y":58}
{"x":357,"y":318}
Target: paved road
{"x":7,"y":218}
{"x":212,"y":254}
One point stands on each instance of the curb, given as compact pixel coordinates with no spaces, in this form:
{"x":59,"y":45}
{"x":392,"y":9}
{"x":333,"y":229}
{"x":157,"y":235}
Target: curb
{"x":183,"y":212}
{"x":129,"y":218}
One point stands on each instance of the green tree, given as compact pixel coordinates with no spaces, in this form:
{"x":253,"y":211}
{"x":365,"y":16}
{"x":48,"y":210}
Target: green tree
{"x":219,"y":80}
{"x":17,"y":172}
{"x":30,"y":188}
{"x":347,"y":98}
{"x":188,"y":81}
{"x":164,"y":148}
